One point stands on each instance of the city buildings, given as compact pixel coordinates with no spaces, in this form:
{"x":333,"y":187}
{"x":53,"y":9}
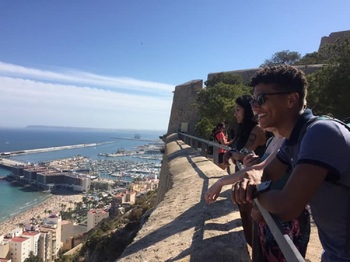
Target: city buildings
{"x":43,"y":241}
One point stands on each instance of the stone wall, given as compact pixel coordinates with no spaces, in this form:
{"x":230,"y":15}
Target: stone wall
{"x":183,"y":113}
{"x":183,"y":227}
{"x":333,"y":37}
{"x":247,"y":74}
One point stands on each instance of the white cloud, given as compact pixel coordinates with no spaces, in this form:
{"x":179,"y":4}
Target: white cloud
{"x":85,"y":78}
{"x":34,"y":97}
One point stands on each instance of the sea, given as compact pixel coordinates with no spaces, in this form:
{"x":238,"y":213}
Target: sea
{"x":15,"y":199}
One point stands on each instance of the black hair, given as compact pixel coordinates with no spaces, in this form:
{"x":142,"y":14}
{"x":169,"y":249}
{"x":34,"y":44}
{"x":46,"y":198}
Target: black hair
{"x":220,"y":125}
{"x":248,"y":122}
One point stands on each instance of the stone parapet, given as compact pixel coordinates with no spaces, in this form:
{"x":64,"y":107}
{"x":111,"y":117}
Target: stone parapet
{"x":183,"y":227}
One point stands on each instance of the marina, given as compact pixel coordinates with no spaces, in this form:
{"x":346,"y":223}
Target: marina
{"x":111,"y":166}
{"x":27,"y":148}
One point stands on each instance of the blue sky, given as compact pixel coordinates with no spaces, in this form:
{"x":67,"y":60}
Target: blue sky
{"x":114,"y":63}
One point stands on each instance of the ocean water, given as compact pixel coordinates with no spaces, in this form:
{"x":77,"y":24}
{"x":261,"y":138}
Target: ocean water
{"x":15,"y":199}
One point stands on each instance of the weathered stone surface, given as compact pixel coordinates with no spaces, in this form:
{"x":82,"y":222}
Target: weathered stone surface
{"x":183,"y":110}
{"x":333,"y":37}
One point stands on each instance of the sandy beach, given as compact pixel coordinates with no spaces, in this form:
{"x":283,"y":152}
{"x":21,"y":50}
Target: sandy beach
{"x":52,"y":203}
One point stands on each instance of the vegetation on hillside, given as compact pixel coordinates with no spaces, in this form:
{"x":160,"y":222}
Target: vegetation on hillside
{"x":107,"y":241}
{"x":329,"y":87}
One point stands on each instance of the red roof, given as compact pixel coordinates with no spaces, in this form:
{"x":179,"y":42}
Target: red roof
{"x":19,"y":239}
{"x":30,"y":233}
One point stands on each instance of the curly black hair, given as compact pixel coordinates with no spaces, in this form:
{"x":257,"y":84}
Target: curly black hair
{"x":285,"y":78}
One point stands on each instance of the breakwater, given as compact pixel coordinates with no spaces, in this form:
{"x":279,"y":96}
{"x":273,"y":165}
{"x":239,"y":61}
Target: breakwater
{"x":48,"y":149}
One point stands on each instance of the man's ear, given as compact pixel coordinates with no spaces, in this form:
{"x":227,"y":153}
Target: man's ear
{"x":293,"y":99}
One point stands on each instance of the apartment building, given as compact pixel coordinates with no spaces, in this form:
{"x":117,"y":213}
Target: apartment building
{"x":34,"y":239}
{"x":20,"y":248}
{"x":94,"y":217}
{"x":4,"y":248}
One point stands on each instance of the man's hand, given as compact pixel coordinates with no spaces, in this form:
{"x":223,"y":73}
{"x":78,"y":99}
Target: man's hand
{"x":237,"y":156}
{"x":254,"y":175}
{"x":242,"y":191}
{"x":251,"y":159}
{"x":212,"y":193}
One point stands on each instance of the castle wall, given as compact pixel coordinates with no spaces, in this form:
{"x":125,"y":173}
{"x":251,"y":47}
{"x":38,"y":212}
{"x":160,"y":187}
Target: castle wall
{"x":247,"y":74}
{"x":333,"y":37}
{"x":183,"y":113}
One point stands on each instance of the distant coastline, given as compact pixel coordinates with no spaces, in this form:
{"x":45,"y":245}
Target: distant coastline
{"x":93,"y":128}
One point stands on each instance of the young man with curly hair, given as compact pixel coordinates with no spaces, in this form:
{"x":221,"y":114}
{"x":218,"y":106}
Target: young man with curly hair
{"x":318,"y":153}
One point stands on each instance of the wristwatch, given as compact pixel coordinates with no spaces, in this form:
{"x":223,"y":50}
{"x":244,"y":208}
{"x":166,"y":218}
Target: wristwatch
{"x":261,"y":188}
{"x":245,"y":151}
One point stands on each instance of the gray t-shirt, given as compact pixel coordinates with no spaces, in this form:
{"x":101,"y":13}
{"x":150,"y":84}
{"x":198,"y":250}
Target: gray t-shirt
{"x":325,"y":143}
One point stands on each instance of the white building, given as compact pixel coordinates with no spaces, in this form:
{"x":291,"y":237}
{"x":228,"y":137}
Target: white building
{"x":20,"y":248}
{"x":67,"y":230}
{"x":53,"y":223}
{"x":34,"y":238}
{"x":15,"y":233}
{"x":45,"y":245}
{"x":94,"y":217}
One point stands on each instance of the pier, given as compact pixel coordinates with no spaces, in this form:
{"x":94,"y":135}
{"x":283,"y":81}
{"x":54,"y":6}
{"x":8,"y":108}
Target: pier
{"x":8,"y":163}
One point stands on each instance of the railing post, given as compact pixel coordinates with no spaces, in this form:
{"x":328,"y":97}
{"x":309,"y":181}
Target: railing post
{"x":204,"y":149}
{"x":215,"y":155}
{"x":195,"y":144}
{"x":192,"y":142}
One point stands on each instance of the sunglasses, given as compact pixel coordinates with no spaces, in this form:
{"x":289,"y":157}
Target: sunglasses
{"x":260,"y":100}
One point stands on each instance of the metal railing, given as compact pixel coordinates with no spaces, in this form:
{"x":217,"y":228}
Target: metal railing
{"x":290,"y":252}
{"x":202,"y":145}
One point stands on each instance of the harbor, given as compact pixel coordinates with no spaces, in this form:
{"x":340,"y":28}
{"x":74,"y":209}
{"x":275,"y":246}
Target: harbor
{"x":112,"y":174}
{"x":122,"y":166}
{"x":41,"y":169}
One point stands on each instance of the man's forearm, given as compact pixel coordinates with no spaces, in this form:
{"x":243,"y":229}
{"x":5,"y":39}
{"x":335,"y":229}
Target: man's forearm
{"x":276,"y":203}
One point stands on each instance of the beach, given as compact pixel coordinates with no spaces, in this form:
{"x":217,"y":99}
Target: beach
{"x":52,"y":203}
